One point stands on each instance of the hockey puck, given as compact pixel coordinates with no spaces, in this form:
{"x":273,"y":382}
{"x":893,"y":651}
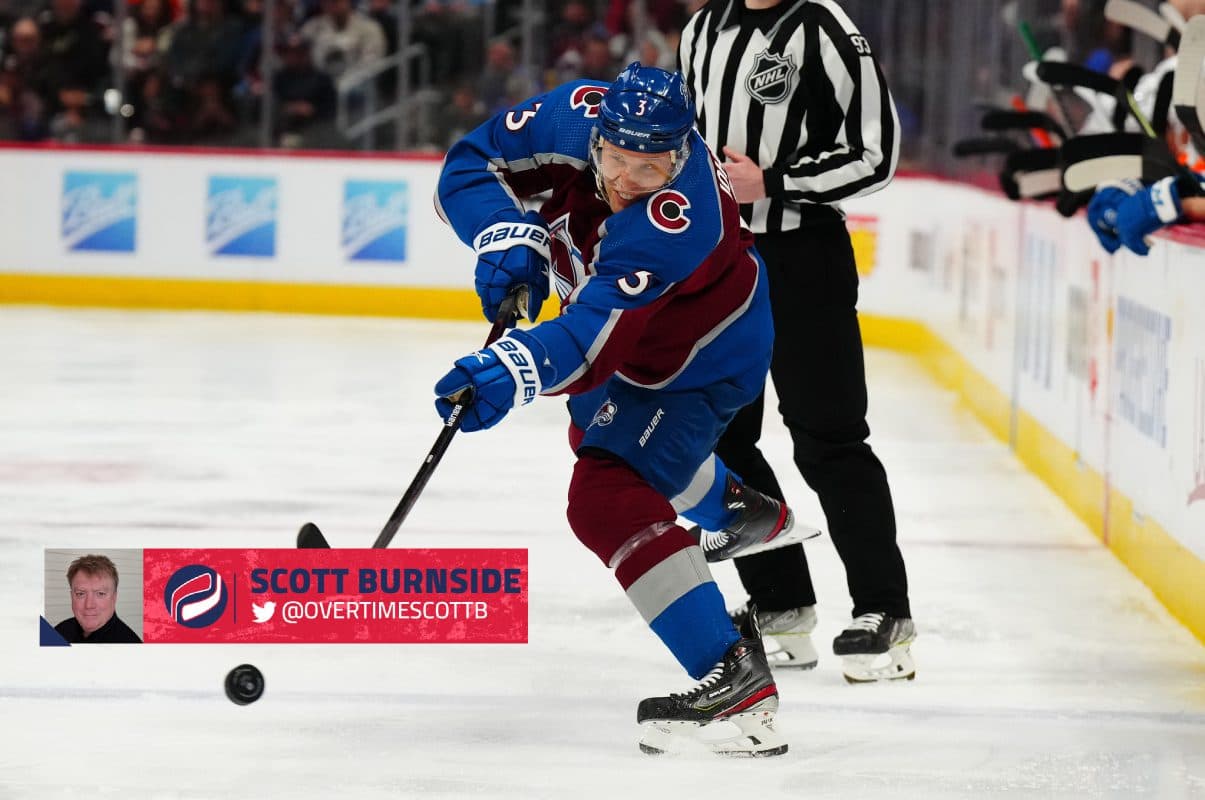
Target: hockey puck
{"x":244,"y":684}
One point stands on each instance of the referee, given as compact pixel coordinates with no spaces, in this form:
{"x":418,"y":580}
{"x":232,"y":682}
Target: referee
{"x":790,"y":93}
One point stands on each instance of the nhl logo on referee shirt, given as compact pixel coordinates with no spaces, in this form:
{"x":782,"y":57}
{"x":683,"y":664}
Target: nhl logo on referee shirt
{"x":770,"y":79}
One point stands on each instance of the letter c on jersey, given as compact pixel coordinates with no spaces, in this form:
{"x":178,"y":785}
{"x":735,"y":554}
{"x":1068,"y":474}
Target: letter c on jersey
{"x":589,"y":98}
{"x":667,"y":211}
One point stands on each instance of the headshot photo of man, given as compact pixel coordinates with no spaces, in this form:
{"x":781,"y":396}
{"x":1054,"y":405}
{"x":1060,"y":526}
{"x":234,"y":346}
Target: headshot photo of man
{"x":92,"y":584}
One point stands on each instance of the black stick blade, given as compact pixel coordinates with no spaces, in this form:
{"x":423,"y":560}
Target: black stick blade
{"x":1062,"y":73}
{"x":1011,"y":120}
{"x":987,"y":145}
{"x":310,"y":538}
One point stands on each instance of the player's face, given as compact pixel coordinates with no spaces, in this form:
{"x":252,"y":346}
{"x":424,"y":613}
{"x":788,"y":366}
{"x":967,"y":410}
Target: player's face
{"x":93,"y":600}
{"x":629,"y":175}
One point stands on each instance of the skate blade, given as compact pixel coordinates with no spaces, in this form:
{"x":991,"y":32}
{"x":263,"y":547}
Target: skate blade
{"x":747,"y":735}
{"x":896,"y":664}
{"x":795,"y":535}
{"x":800,"y":654}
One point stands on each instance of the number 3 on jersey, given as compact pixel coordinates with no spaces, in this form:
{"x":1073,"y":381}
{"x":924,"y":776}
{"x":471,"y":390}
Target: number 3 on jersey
{"x":515,"y":120}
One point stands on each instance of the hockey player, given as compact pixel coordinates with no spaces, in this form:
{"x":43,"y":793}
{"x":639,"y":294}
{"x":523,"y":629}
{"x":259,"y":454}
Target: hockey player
{"x":664,"y":333}
{"x":1125,"y":213}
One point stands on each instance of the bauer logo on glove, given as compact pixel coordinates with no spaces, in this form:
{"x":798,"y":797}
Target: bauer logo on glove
{"x":503,"y":236}
{"x":512,"y":254}
{"x":497,"y":378}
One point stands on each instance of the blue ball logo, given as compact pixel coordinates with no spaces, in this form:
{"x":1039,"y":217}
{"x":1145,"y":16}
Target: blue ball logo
{"x":195,"y":596}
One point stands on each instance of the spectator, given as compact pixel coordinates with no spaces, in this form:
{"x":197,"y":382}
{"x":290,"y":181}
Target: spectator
{"x":76,"y":56}
{"x":452,"y":34}
{"x":303,"y":93}
{"x":210,"y":115}
{"x":23,"y":83}
{"x":653,"y":49}
{"x":503,"y":81}
{"x":464,"y":113}
{"x":342,"y":39}
{"x":203,"y":44}
{"x":597,"y":62}
{"x":664,"y":15}
{"x":157,"y":117}
{"x":7,"y":18}
{"x":284,"y":26}
{"x":145,"y":36}
{"x":382,"y":12}
{"x":643,"y":39}
{"x":569,"y":34}
{"x":69,"y":123}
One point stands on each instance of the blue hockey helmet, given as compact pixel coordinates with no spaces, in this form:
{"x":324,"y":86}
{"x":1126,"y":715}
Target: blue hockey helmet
{"x":647,"y":109}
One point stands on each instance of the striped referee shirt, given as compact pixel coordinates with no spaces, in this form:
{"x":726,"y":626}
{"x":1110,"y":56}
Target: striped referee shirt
{"x":796,"y":88}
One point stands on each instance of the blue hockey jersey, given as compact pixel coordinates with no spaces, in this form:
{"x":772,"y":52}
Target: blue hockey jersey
{"x":667,"y":292}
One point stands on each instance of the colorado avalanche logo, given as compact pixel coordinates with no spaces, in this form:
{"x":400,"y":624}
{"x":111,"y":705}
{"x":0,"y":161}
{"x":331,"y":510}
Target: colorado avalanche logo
{"x":195,"y":596}
{"x":605,"y":414}
{"x":589,"y":98}
{"x":667,"y":211}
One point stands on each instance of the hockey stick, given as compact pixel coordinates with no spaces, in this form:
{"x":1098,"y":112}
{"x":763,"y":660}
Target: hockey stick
{"x":1173,"y":15}
{"x":1090,"y":98}
{"x":1138,"y":17}
{"x":1163,"y":103}
{"x":1187,"y":88}
{"x":1089,"y":161}
{"x":1035,"y":52}
{"x":1040,"y":137}
{"x":309,"y":537}
{"x":1031,"y":174}
{"x":997,"y":119}
{"x":1060,"y":73}
{"x":985,"y":145}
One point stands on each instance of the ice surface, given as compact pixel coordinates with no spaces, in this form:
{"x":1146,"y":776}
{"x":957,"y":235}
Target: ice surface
{"x":1044,"y":668}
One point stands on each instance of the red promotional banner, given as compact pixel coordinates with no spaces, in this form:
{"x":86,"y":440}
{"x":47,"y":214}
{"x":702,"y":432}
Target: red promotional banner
{"x":314,"y":596}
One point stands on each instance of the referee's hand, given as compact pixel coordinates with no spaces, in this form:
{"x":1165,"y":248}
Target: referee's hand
{"x":746,"y":177}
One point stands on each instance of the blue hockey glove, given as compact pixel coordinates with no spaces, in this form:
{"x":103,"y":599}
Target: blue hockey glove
{"x":1102,"y":210}
{"x":511,"y":254}
{"x":500,"y":377}
{"x":1142,"y":214}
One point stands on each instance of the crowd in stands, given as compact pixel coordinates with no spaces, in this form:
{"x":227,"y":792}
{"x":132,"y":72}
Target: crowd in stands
{"x":192,"y":70}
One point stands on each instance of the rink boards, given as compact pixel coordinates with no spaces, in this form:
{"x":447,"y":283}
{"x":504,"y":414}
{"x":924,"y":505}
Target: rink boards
{"x":1091,"y":366}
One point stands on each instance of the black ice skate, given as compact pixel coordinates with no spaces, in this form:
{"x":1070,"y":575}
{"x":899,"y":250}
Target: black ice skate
{"x":761,"y":523}
{"x":876,"y":647}
{"x":731,"y":712}
{"x":787,"y":635}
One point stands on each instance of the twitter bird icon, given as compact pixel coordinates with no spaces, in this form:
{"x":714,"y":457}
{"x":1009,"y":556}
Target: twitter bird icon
{"x":263,"y":613}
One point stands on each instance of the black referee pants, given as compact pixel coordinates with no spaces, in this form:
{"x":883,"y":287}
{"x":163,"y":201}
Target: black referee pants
{"x":819,"y":373}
